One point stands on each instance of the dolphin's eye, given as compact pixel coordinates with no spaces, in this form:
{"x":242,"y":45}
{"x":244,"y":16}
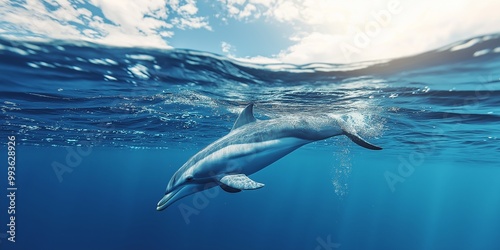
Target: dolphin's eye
{"x":189,"y":178}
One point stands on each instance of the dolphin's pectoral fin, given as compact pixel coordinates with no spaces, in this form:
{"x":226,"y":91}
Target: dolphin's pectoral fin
{"x":229,"y":189}
{"x":361,"y":142}
{"x":240,"y":181}
{"x":245,"y":117}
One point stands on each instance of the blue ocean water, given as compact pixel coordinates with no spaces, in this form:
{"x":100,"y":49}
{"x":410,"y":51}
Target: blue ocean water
{"x":100,"y":130}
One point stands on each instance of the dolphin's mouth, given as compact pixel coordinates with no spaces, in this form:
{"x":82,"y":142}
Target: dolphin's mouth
{"x":176,"y":195}
{"x":167,"y":200}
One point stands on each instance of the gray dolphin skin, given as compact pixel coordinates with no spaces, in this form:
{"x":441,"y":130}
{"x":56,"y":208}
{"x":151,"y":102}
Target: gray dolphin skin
{"x":251,"y":146}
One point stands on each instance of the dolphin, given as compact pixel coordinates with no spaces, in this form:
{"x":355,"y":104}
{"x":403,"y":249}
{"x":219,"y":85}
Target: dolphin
{"x":250,"y":146}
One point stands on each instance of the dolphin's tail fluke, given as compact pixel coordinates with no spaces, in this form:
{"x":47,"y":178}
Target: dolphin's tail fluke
{"x":360,"y":141}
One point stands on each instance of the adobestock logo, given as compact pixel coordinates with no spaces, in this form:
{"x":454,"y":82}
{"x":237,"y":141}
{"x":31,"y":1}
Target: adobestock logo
{"x":326,"y":244}
{"x":199,"y":202}
{"x":363,"y":36}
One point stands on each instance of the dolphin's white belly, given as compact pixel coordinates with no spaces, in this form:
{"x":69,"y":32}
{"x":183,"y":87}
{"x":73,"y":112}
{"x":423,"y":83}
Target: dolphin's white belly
{"x":248,"y":158}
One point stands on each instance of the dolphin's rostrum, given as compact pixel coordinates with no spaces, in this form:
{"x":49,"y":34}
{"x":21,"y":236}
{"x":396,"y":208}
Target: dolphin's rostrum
{"x":251,"y":146}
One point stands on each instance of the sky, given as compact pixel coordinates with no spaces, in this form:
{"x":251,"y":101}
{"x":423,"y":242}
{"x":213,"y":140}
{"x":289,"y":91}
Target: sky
{"x":260,"y":31}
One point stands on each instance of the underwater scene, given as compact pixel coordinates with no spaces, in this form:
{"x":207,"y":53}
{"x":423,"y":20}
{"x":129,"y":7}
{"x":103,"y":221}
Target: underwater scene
{"x":91,"y":136}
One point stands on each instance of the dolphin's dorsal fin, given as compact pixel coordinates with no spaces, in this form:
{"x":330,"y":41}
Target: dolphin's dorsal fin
{"x":245,"y":117}
{"x":240,"y":181}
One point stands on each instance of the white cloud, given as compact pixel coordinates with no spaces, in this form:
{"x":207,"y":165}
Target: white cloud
{"x":124,"y":23}
{"x":191,"y":23}
{"x":130,"y":16}
{"x":336,"y":31}
{"x":187,"y":19}
{"x":226,"y":47}
{"x":248,"y":11}
{"x":265,"y":3}
{"x":189,"y":8}
{"x":313,"y":47}
{"x":357,"y":30}
{"x":241,"y":10}
{"x":286,"y":11}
